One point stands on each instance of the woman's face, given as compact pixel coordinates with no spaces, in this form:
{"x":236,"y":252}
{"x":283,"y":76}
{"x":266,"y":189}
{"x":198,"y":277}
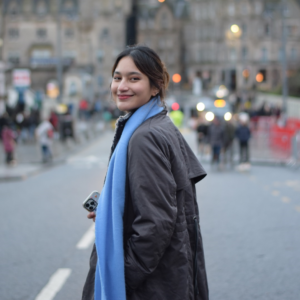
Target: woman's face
{"x":130,"y":88}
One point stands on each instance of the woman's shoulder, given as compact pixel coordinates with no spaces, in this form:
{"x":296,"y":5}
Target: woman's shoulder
{"x":157,"y":128}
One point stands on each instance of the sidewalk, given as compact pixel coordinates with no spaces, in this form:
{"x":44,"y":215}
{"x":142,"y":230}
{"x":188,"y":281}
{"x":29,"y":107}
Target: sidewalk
{"x":261,"y":153}
{"x":29,"y":159}
{"x":29,"y":156}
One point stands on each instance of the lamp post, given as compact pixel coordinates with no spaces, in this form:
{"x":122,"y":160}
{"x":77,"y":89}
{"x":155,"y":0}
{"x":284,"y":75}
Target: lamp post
{"x":284,"y":63}
{"x":58,"y":53}
{"x":2,"y":67}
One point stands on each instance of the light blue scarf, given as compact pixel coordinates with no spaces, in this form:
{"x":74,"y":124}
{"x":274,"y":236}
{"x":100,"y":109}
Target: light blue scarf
{"x":110,"y":277}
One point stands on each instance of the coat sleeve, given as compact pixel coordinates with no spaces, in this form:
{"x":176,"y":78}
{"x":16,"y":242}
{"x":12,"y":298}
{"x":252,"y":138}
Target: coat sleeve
{"x":153,"y":195}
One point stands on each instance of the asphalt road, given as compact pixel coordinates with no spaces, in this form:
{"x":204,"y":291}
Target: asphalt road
{"x":250,"y":225}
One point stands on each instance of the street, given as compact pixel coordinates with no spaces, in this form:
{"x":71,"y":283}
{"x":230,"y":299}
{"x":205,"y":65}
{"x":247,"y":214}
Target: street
{"x":250,"y":226}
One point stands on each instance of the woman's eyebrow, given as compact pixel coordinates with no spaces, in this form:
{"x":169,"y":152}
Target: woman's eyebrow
{"x":129,"y":73}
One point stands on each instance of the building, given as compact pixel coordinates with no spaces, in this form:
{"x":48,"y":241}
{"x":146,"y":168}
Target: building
{"x":87,"y":35}
{"x":224,"y":41}
{"x":231,"y":42}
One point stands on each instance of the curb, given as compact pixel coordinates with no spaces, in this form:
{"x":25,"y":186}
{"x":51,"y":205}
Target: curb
{"x":36,"y":168}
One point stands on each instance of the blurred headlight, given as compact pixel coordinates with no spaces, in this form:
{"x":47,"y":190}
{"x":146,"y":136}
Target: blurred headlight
{"x":209,"y":116}
{"x":228,"y":116}
{"x":200,"y":106}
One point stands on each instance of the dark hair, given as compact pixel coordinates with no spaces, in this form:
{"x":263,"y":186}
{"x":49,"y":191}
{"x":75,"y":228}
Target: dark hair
{"x":150,"y":64}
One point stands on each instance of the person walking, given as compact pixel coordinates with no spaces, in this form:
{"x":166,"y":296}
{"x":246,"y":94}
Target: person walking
{"x":148,"y":243}
{"x":202,"y":132}
{"x":44,"y":134}
{"x":8,"y":139}
{"x":229,"y":135}
{"x":216,"y":140}
{"x":243,"y":135}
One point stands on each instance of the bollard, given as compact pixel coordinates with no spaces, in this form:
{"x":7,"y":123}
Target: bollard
{"x":295,"y":160}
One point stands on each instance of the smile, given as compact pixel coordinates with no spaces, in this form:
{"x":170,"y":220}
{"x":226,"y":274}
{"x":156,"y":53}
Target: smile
{"x":124,"y":97}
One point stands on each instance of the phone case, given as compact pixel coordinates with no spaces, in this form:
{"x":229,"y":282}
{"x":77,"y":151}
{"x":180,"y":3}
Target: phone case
{"x":91,"y":202}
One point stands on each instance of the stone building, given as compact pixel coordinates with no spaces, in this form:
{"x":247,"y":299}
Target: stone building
{"x":92,"y":33}
{"x":197,"y":37}
{"x":231,"y":41}
{"x":191,"y":36}
{"x":160,"y":27}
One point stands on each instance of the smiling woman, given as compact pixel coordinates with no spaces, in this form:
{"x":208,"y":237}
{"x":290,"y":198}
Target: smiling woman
{"x":148,"y":243}
{"x":130,"y":88}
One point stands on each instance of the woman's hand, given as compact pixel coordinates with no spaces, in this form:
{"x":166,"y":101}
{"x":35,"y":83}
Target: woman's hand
{"x":92,"y":215}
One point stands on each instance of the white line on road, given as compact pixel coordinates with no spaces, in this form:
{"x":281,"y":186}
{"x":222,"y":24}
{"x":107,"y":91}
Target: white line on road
{"x":87,"y":239}
{"x":55,"y":283}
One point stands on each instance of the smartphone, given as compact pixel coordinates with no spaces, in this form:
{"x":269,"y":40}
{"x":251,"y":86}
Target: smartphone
{"x":91,"y":202}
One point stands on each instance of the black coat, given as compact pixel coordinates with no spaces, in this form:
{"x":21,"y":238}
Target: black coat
{"x":163,"y":249}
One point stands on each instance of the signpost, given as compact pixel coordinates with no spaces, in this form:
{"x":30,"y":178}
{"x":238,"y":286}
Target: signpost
{"x":21,"y":78}
{"x":2,"y":80}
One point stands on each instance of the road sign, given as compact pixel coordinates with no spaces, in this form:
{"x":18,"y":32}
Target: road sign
{"x":2,"y":79}
{"x":21,"y":78}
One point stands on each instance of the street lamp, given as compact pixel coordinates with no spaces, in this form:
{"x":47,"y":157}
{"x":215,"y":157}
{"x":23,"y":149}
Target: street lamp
{"x":161,"y":1}
{"x":235,"y":28}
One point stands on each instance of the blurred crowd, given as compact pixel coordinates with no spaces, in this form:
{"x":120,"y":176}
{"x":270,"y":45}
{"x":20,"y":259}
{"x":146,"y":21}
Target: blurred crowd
{"x":217,"y":139}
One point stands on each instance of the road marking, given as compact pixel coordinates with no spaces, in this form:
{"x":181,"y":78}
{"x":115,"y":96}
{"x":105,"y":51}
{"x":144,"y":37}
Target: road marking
{"x":87,"y":239}
{"x":298,"y":208}
{"x":286,"y":199}
{"x":275,"y":193}
{"x":54,"y":285}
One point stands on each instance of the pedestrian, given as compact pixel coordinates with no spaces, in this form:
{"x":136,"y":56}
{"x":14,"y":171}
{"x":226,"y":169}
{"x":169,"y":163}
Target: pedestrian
{"x":44,"y":134}
{"x":216,"y":140}
{"x":148,"y":243}
{"x":229,"y":135}
{"x":243,"y":135}
{"x":8,"y":139}
{"x":202,"y":133}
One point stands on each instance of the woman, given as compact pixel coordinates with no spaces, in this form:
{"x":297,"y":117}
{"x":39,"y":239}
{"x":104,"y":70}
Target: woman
{"x":148,"y":243}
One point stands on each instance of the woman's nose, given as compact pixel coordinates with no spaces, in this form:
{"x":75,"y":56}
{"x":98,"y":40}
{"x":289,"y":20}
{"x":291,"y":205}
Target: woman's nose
{"x":123,"y":86}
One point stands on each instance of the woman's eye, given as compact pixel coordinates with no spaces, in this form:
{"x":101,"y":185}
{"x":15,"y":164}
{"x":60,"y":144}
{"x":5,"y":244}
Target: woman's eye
{"x":135,"y":78}
{"x":117,"y":78}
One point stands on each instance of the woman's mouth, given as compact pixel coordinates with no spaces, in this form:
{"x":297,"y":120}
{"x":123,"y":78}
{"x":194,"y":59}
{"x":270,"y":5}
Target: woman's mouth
{"x":124,"y":97}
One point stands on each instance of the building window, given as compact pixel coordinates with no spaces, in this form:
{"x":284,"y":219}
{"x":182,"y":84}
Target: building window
{"x":291,"y":30}
{"x":267,"y":29}
{"x":264,"y":74}
{"x":232,"y":54}
{"x":12,"y":7}
{"x":294,"y":54}
{"x":264,"y":54}
{"x":69,"y":6}
{"x":14,"y":58}
{"x":258,"y":8}
{"x":69,"y":33}
{"x":244,"y":29}
{"x":280,"y":54}
{"x":244,"y":53}
{"x":164,"y":21}
{"x":244,"y":9}
{"x":197,"y":13}
{"x":41,"y":7}
{"x":41,"y":33}
{"x":41,"y":53}
{"x":231,"y":9}
{"x":13,"y":33}
{"x":104,"y":35}
{"x":100,"y":55}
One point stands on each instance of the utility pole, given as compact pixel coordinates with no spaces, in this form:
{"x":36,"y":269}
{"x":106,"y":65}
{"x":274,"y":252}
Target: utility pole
{"x":2,"y":67}
{"x":58,"y":53}
{"x":284,"y":63}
